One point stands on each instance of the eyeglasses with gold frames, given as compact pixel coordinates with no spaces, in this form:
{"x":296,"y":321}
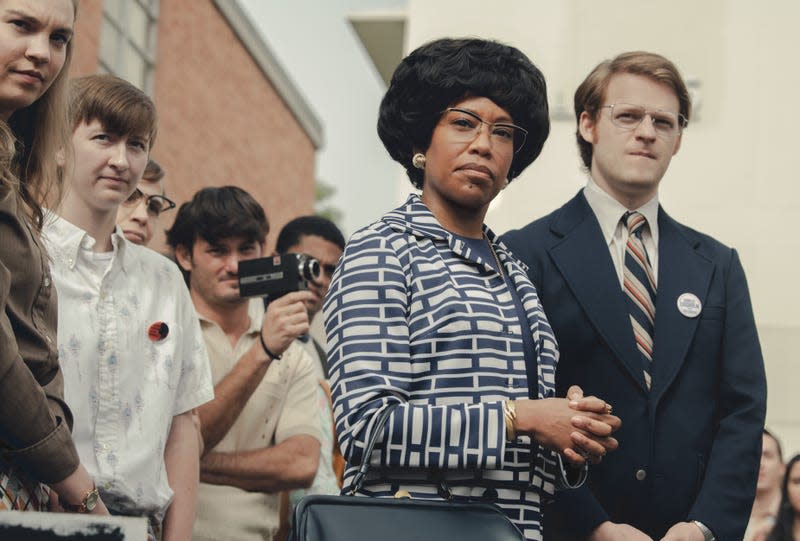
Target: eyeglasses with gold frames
{"x":465,"y":125}
{"x":666,"y":124}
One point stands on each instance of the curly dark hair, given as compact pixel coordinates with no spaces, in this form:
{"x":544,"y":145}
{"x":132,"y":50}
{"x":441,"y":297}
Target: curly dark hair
{"x":441,"y":72}
{"x":786,"y":514}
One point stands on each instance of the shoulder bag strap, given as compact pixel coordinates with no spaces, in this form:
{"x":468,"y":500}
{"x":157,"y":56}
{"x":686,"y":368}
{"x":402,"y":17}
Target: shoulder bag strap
{"x":358,"y":480}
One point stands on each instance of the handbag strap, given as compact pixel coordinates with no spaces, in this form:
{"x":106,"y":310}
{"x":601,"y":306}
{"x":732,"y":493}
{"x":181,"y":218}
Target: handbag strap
{"x":358,"y":480}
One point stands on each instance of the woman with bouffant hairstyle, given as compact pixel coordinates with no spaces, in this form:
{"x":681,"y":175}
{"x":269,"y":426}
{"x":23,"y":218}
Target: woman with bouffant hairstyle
{"x":431,"y":321}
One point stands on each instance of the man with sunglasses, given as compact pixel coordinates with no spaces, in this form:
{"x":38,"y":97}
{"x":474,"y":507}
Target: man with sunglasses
{"x":321,"y":239}
{"x":138,"y":215}
{"x":653,"y":316}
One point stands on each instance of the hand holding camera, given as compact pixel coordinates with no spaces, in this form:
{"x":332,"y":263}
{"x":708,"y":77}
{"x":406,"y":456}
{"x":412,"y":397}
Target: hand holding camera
{"x":285,"y":319}
{"x":283,"y":281}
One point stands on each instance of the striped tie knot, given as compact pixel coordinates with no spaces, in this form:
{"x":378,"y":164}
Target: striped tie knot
{"x":634,"y":222}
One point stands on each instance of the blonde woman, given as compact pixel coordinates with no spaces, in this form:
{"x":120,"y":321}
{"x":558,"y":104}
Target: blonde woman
{"x":36,"y":449}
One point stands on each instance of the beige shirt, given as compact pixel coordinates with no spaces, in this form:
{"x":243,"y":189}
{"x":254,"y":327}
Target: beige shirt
{"x":283,"y":405}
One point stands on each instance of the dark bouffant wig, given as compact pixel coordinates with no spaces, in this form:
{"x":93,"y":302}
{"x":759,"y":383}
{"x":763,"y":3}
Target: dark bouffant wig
{"x":444,"y":71}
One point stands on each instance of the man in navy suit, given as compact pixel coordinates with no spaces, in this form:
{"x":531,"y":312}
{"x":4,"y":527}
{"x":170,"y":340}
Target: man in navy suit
{"x":691,"y":390}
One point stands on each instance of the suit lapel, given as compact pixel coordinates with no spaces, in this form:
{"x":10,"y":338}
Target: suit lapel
{"x":582,"y":258}
{"x":681,"y":269}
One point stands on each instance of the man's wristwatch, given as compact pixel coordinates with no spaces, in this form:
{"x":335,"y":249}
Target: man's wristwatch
{"x":708,"y":535}
{"x":88,"y":502}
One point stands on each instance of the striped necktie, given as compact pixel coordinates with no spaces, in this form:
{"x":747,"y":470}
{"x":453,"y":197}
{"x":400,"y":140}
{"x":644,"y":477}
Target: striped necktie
{"x":640,"y":290}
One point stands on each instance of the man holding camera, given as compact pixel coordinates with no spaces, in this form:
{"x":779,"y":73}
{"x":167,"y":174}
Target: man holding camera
{"x":319,"y":238}
{"x":261,"y":431}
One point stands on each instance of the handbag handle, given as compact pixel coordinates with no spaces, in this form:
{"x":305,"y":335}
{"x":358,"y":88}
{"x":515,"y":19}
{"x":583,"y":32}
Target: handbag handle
{"x":360,"y":477}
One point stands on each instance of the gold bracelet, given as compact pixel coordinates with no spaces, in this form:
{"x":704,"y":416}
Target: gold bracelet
{"x":510,"y":415}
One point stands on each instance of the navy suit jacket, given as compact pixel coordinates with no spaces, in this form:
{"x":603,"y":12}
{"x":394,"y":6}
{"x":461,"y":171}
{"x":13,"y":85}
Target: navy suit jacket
{"x":690,"y":447}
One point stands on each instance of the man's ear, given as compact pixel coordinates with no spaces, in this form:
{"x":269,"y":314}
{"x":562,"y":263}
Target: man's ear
{"x":586,"y":125}
{"x":183,"y":257}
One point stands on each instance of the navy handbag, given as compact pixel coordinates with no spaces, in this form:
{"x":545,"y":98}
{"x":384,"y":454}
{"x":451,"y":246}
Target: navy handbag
{"x":360,"y":518}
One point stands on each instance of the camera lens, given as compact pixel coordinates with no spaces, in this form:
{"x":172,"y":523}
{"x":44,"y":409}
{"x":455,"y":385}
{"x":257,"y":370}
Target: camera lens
{"x":308,"y":267}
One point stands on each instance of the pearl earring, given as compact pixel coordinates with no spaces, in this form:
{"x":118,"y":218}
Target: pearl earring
{"x":418,"y":160}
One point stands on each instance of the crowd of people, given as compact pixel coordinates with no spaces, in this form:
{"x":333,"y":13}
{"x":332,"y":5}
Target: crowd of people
{"x":595,"y":374}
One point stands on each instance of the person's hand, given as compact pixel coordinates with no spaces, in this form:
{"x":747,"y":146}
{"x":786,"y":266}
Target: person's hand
{"x":762,"y":532}
{"x":684,"y":531}
{"x":55,"y":505}
{"x":555,"y":425}
{"x":73,"y":488}
{"x":286,"y":318}
{"x":590,"y":427}
{"x":591,"y":403}
{"x":610,"y":531}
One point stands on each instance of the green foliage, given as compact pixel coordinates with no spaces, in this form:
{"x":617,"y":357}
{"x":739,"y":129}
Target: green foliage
{"x":322,"y":207}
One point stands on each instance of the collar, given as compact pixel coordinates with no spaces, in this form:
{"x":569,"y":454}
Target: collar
{"x":415,"y":218}
{"x":255,"y":310}
{"x":609,"y":211}
{"x":69,"y":239}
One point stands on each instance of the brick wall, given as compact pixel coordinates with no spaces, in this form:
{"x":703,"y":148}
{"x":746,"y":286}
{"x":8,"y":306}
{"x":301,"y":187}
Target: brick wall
{"x":220,"y":120}
{"x":87,"y":37}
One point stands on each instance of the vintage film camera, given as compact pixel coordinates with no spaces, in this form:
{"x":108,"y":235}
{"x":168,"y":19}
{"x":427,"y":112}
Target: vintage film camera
{"x":275,"y":276}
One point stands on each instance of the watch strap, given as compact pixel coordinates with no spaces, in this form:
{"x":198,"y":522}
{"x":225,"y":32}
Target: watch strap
{"x":91,"y":495}
{"x":708,"y":535}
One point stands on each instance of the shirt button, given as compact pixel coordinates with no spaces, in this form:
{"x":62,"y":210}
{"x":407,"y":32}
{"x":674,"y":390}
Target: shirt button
{"x":641,"y":475}
{"x":46,"y":281}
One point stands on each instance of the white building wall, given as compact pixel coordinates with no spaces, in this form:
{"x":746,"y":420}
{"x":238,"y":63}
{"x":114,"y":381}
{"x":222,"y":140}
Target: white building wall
{"x":735,"y":176}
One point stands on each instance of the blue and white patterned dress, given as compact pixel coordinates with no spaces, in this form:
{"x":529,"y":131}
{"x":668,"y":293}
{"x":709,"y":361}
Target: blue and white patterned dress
{"x":414,"y":318}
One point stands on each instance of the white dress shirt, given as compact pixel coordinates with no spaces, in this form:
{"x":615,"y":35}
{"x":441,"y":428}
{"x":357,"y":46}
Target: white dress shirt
{"x":609,"y":212}
{"x":123,"y":386}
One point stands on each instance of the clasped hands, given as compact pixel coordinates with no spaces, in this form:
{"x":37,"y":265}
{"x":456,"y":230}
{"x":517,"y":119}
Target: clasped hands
{"x":610,"y":531}
{"x":578,"y":427}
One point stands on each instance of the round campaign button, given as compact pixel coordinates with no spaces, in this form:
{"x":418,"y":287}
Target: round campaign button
{"x":689,"y":305}
{"x":157,"y":331}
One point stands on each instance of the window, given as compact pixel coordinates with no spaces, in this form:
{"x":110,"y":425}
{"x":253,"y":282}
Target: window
{"x":128,"y":40}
